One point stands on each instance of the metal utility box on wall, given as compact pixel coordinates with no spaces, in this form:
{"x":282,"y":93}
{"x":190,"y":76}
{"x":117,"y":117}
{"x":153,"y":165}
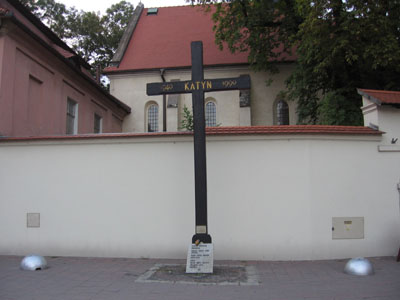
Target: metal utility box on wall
{"x":33,"y":220}
{"x":348,"y":228}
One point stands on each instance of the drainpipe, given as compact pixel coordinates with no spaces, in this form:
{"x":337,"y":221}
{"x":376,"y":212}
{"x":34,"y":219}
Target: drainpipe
{"x":162,"y":71}
{"x":98,"y":74}
{"x":398,"y":255}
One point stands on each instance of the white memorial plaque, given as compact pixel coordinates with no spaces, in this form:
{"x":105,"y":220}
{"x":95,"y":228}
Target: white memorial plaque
{"x":200,"y":259}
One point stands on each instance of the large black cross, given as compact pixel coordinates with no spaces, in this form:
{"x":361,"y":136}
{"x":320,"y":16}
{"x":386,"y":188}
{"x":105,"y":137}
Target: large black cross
{"x":198,"y":86}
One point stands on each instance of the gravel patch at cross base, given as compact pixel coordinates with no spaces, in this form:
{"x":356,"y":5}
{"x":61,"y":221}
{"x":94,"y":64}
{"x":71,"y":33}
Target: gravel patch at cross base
{"x":222,"y":275}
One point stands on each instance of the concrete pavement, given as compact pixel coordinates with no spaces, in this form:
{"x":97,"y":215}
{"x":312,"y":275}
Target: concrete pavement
{"x":120,"y":278}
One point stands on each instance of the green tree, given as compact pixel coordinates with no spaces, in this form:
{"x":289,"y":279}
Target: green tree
{"x":52,"y":13}
{"x":344,"y":45}
{"x":340,"y":46}
{"x":93,"y":36}
{"x":96,"y":37}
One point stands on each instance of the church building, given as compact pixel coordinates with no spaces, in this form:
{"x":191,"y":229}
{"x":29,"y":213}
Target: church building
{"x":156,"y":48}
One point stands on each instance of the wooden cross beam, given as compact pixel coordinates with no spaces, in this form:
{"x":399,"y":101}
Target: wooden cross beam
{"x":198,"y":86}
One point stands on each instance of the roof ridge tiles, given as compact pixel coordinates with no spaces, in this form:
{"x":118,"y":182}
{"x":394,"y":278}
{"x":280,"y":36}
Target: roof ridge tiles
{"x":231,"y":130}
{"x":169,"y":6}
{"x":380,"y":91}
{"x":381,"y":96}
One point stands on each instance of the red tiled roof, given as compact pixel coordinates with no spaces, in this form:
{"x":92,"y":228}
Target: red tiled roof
{"x":292,"y":129}
{"x":236,"y":130}
{"x":381,"y":97}
{"x":163,"y":41}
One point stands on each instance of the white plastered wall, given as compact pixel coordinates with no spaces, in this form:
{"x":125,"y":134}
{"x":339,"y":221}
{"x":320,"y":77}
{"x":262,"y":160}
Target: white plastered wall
{"x":269,"y":197}
{"x":385,"y":117}
{"x":388,"y":117}
{"x":131,"y":89}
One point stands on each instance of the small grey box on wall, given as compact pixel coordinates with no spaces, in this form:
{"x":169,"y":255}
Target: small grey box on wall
{"x":348,"y":228}
{"x":33,"y":220}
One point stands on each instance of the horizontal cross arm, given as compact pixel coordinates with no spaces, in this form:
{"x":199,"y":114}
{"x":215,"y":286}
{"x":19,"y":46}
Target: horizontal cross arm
{"x":207,"y":85}
{"x":225,"y":84}
{"x":161,"y":88}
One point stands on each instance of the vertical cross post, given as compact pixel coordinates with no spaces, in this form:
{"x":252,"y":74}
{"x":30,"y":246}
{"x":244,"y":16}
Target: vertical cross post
{"x":200,"y":165}
{"x":197,"y":87}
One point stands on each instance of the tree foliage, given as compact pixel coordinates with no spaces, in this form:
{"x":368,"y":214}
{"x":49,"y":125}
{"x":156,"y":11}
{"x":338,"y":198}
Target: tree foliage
{"x":187,"y":119}
{"x":52,"y":13}
{"x":93,"y":36}
{"x":96,"y":37}
{"x":340,"y":45}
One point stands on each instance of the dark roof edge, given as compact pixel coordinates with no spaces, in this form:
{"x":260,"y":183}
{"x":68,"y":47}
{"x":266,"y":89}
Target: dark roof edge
{"x":369,"y":97}
{"x":46,"y":30}
{"x":91,"y":81}
{"x":168,"y":69}
{"x":105,"y":71}
{"x":126,"y":37}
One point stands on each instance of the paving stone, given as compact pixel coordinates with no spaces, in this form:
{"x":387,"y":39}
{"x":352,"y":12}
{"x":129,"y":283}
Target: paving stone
{"x":115,"y":278}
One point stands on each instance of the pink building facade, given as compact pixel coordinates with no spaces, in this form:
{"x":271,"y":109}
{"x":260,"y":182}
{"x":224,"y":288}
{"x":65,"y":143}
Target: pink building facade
{"x":45,"y":88}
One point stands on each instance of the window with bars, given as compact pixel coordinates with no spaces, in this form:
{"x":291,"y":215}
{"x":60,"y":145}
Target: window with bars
{"x":282,"y":113}
{"x":98,"y":124}
{"x":152,"y":118}
{"x":72,"y":117}
{"x":211,"y":114}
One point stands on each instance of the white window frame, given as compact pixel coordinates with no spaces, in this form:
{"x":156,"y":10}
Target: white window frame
{"x":148,"y":107}
{"x":75,"y":110}
{"x":205,"y":112}
{"x":100,"y":118}
{"x":282,"y":112}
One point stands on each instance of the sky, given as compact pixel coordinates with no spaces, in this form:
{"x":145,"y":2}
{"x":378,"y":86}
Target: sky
{"x":102,"y":5}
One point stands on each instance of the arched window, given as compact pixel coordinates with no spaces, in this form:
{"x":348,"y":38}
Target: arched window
{"x":282,"y":113}
{"x":211,"y":114}
{"x":152,"y":118}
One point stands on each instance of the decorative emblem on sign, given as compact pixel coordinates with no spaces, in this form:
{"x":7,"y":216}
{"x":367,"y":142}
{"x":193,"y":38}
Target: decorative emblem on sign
{"x":167,"y":87}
